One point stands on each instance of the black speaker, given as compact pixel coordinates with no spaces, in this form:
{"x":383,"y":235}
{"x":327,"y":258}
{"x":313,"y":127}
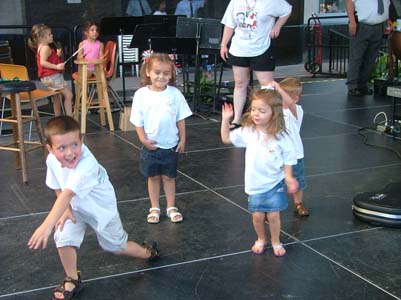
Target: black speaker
{"x":381,"y":208}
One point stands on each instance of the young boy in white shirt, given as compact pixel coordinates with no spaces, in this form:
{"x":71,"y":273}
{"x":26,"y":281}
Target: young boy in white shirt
{"x":290,"y":90}
{"x":85,"y":196}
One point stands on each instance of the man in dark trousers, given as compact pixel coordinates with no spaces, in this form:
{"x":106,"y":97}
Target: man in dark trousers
{"x":367,"y":21}
{"x":138,"y":8}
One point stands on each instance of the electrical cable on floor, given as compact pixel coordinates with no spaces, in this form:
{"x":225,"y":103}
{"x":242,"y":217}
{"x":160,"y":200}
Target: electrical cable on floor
{"x":365,"y":141}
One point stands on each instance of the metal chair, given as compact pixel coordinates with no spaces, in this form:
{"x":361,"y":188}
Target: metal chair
{"x":111,"y":71}
{"x":128,"y":55}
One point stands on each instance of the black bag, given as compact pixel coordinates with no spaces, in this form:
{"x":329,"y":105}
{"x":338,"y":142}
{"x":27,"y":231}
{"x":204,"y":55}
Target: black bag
{"x":381,"y":208}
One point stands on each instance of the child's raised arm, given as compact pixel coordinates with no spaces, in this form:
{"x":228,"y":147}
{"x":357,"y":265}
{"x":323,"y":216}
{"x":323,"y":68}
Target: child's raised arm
{"x":288,"y":101}
{"x":40,"y":237}
{"x":227,"y":112}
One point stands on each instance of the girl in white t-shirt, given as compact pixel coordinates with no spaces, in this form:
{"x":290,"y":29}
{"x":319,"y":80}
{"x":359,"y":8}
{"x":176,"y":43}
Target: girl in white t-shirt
{"x":269,"y":156}
{"x":158,"y":112}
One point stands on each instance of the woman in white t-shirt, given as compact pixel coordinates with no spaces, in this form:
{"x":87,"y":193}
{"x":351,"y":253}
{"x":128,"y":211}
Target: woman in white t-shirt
{"x":250,"y":25}
{"x":269,"y":157}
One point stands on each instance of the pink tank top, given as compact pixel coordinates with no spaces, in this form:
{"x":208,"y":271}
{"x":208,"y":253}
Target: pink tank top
{"x":91,"y":51}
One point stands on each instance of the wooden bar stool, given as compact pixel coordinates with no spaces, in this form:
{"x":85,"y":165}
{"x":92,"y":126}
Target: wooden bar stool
{"x":19,"y":145}
{"x":82,"y":102}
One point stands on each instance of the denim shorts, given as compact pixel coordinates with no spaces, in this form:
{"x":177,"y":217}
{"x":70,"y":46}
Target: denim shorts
{"x":158,"y":162}
{"x":299,"y":173}
{"x":263,"y":63}
{"x":272,"y":200}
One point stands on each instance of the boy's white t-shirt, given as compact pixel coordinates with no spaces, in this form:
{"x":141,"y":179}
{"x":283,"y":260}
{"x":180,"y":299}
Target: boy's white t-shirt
{"x":252,"y":22}
{"x":158,"y":113}
{"x":265,"y":158}
{"x":293,"y":126}
{"x":94,"y":193}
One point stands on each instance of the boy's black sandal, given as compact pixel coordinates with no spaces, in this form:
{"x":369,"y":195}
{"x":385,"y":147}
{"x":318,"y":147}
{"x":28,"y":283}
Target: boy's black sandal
{"x":152,"y":248}
{"x":68,"y":295}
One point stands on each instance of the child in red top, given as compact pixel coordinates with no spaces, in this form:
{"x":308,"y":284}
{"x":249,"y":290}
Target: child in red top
{"x":50,"y":67}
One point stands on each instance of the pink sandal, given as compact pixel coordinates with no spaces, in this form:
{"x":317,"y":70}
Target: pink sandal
{"x":259,"y":247}
{"x":278,"y":250}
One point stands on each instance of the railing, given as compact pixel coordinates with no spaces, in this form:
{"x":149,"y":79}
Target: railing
{"x":338,"y":52}
{"x":328,"y":45}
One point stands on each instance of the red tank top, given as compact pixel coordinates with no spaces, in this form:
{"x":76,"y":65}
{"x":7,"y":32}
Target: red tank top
{"x":53,"y":59}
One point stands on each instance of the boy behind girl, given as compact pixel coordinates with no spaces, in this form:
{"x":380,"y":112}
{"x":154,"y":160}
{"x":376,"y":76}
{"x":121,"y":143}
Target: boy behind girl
{"x":85,"y":196}
{"x":290,"y":90}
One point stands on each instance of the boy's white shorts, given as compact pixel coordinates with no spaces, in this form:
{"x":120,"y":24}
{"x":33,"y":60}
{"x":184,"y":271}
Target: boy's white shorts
{"x":112,"y":238}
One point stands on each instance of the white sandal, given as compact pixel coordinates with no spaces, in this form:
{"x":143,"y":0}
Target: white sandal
{"x":173,"y":215}
{"x":155,"y":215}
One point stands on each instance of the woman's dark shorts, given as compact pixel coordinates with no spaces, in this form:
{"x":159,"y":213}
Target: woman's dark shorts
{"x":262,"y":63}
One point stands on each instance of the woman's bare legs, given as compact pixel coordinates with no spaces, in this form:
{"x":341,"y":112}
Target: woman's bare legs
{"x":264,"y":78}
{"x":241,"y":79}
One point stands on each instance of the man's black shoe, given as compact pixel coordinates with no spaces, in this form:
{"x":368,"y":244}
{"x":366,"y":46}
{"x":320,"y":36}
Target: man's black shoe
{"x":366,"y":90}
{"x":355,"y":92}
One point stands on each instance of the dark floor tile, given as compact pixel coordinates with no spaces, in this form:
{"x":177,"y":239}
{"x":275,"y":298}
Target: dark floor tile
{"x":315,"y":126}
{"x":330,"y":254}
{"x":344,"y":152}
{"x":373,"y":255}
{"x":302,"y":275}
{"x":215,"y":168}
{"x":329,"y":199}
{"x":193,"y":239}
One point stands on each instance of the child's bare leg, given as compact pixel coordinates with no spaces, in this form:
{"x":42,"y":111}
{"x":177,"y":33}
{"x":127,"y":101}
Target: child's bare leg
{"x":68,"y":257}
{"x":135,"y":250}
{"x":67,"y":94}
{"x":274,"y":227}
{"x":154,"y":190}
{"x":298,"y":195}
{"x":169,"y":190}
{"x":259,"y":224}
{"x":299,"y":207}
{"x":57,"y":105}
{"x":258,"y":219}
{"x":154,"y":193}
